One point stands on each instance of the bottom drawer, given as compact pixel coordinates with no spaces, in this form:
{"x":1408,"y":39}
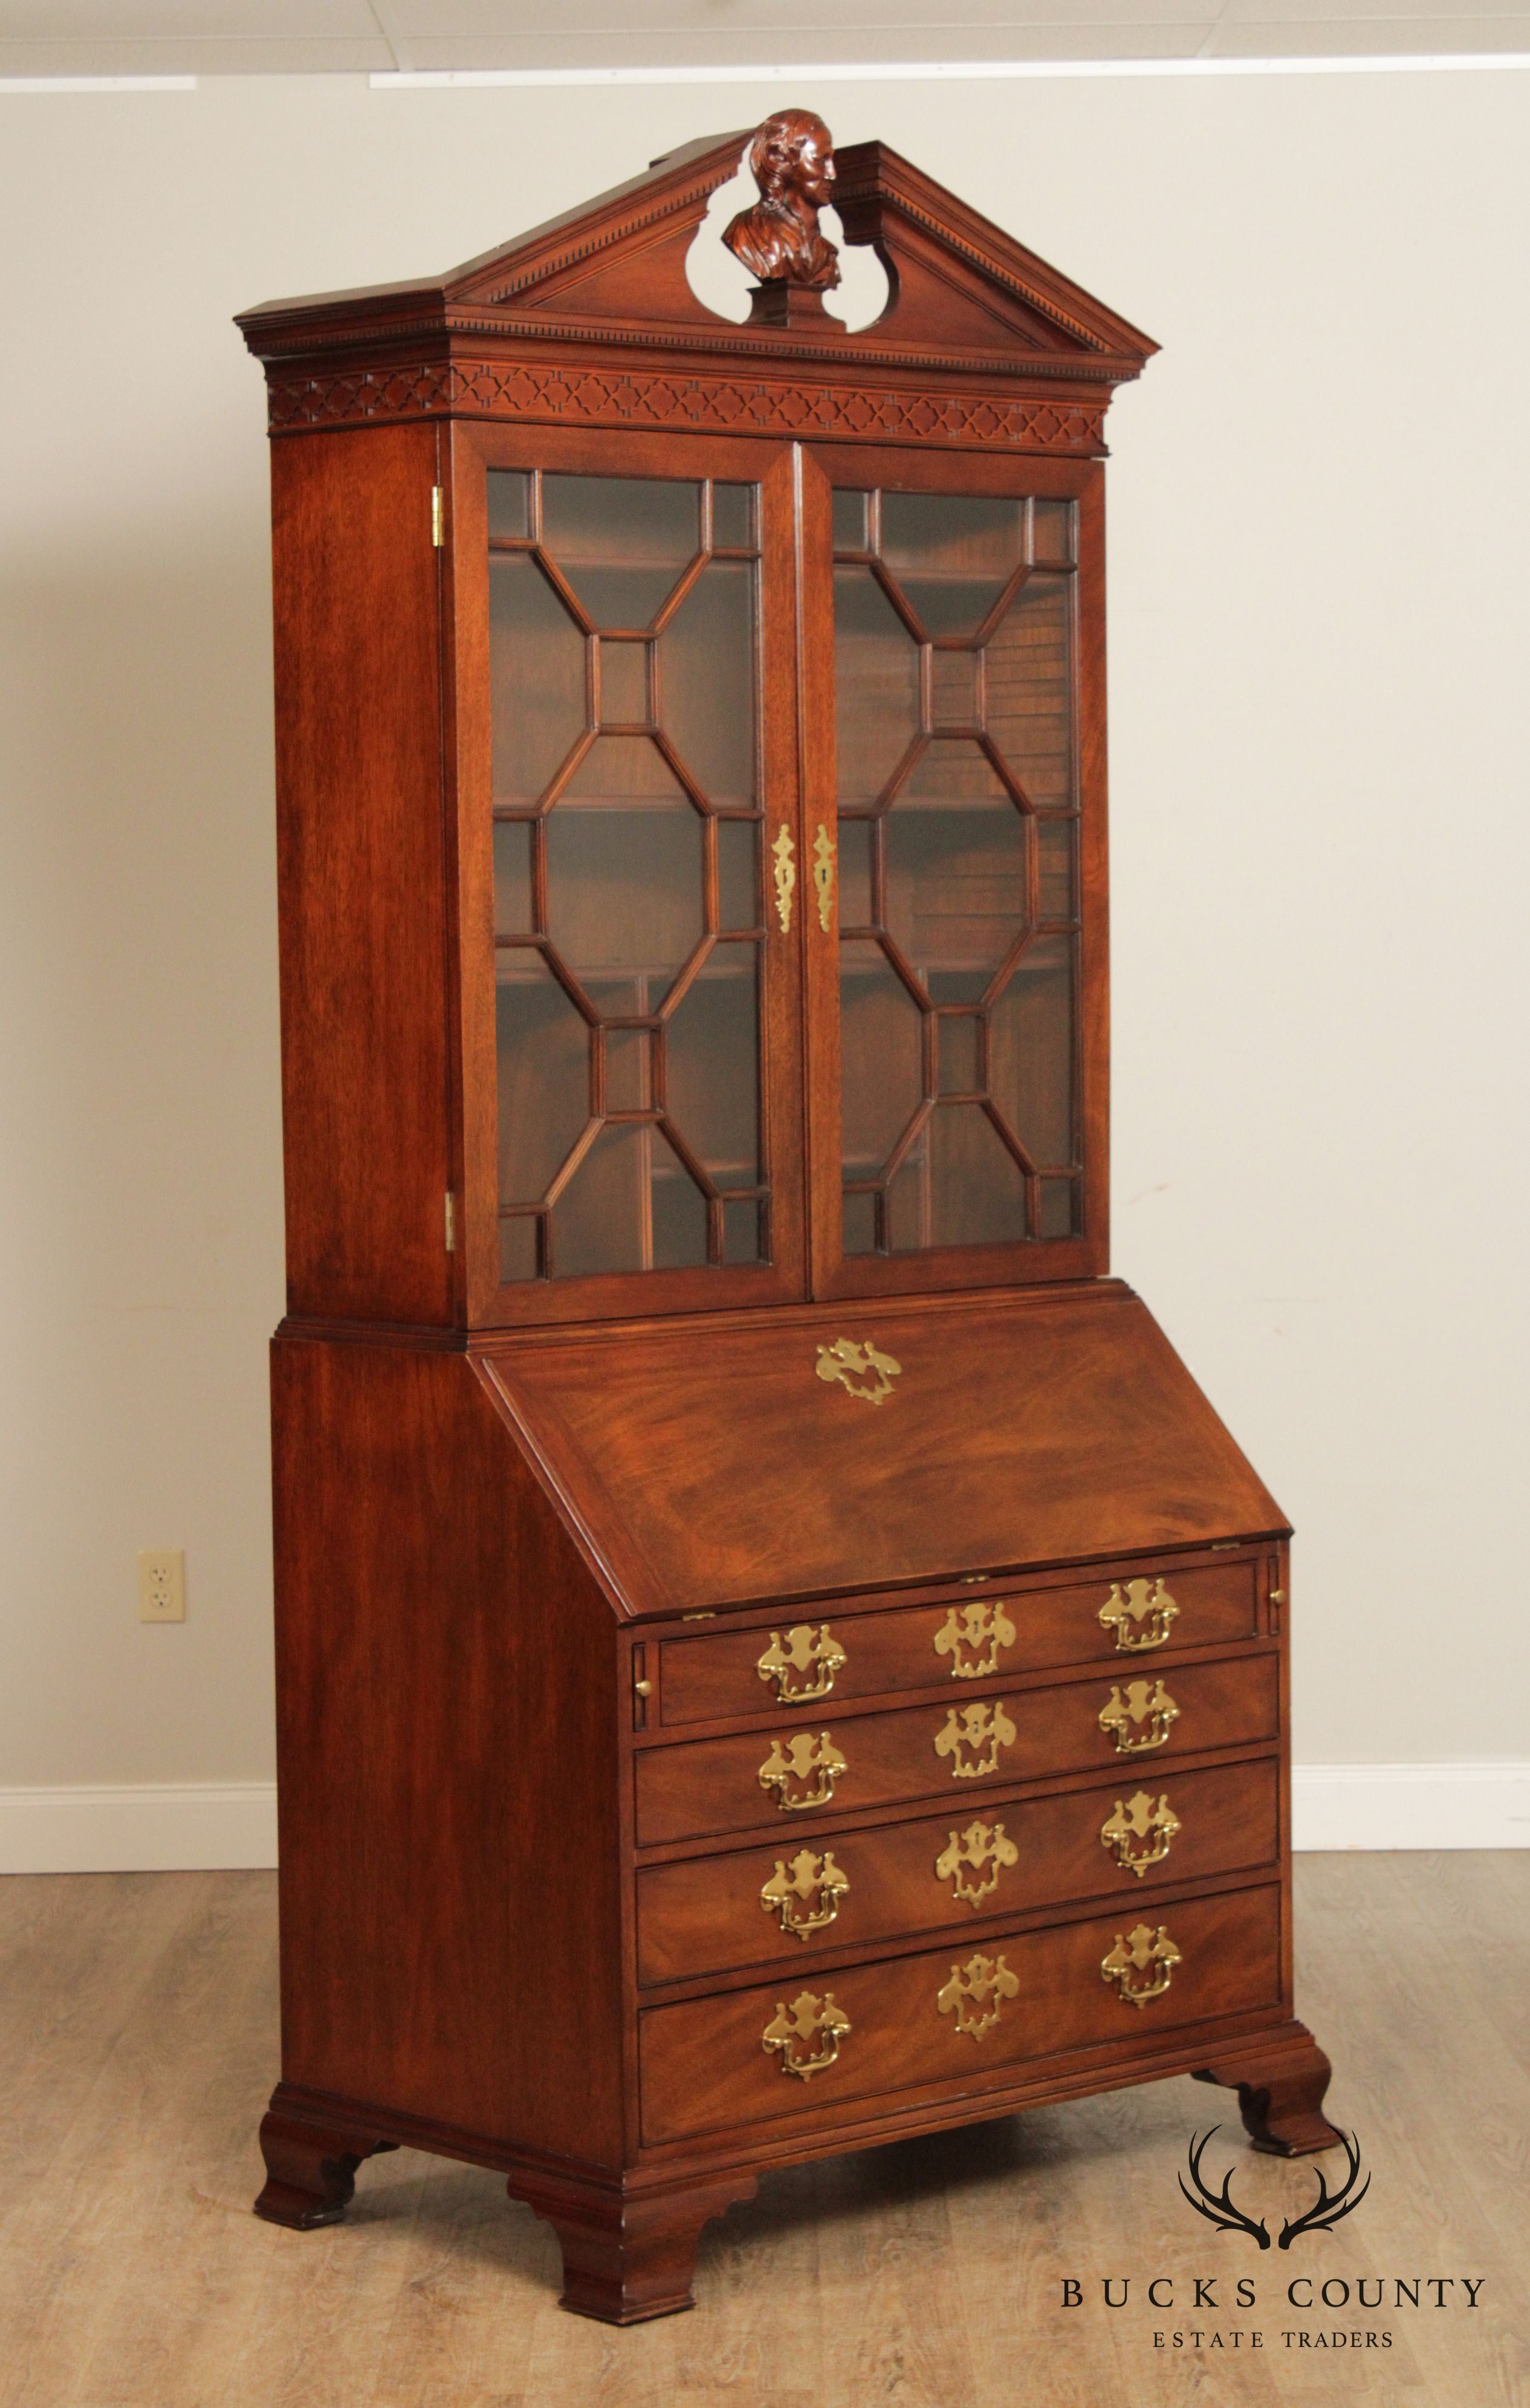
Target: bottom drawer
{"x":949,"y":2013}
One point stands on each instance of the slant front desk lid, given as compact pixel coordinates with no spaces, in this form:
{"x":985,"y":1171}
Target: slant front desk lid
{"x":716,"y":1463}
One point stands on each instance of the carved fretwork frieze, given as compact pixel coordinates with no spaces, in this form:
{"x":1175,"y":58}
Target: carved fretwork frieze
{"x":737,"y":404}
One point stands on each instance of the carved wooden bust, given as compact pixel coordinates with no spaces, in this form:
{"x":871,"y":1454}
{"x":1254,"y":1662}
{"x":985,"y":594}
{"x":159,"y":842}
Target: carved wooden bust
{"x":791,"y":160}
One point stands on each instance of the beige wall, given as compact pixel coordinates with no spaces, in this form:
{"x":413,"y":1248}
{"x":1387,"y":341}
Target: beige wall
{"x":1319,"y":506}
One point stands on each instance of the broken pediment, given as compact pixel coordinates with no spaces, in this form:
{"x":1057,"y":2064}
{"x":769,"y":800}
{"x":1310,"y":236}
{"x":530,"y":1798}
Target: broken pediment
{"x":962,"y":292}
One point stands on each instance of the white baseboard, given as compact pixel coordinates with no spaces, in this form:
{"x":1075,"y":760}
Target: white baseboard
{"x":160,"y":1827}
{"x":214,"y":1826}
{"x":1410,"y":1805}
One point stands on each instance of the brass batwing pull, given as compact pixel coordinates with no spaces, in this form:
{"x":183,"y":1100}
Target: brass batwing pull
{"x":803,"y":1664}
{"x":972,"y":1737}
{"x":1139,"y":1720}
{"x":794,"y":1763}
{"x":971,"y":1636}
{"x":1141,"y":1618}
{"x":982,"y":1850}
{"x":862,"y":1370}
{"x":1138,"y":1833}
{"x":786,"y":876}
{"x":805,"y":1894}
{"x":1142,"y":1966}
{"x":976,"y":1993}
{"x":792,"y":2032}
{"x":823,"y":877}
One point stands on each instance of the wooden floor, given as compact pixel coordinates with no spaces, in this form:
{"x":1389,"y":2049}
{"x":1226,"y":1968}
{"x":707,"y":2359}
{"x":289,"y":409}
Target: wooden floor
{"x":139,"y":2041}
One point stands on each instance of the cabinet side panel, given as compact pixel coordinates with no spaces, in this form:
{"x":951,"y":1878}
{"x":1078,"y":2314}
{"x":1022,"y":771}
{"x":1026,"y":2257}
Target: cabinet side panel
{"x":447,"y":1746}
{"x":359,"y":854}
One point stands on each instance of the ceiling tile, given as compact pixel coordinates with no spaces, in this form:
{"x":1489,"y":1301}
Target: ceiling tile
{"x":854,"y":28}
{"x":185,"y":54}
{"x":1270,"y":34}
{"x":1078,"y":40}
{"x":158,"y":21}
{"x":319,"y":37}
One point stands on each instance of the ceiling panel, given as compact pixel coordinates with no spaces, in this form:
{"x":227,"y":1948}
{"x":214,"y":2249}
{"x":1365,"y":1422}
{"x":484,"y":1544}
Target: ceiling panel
{"x":1261,"y":34}
{"x":319,"y":37}
{"x":871,"y":23}
{"x":189,"y":54}
{"x":1078,"y":39}
{"x":160,"y":21}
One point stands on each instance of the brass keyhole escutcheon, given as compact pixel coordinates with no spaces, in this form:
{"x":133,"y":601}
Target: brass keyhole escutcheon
{"x":861,"y":1368}
{"x":981,"y":1851}
{"x":976,"y":1993}
{"x":972,"y":1636}
{"x":972,"y":1737}
{"x":785,"y":871}
{"x":823,"y":877}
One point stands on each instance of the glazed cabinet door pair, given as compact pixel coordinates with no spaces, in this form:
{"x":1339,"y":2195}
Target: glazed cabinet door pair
{"x":781,"y":829}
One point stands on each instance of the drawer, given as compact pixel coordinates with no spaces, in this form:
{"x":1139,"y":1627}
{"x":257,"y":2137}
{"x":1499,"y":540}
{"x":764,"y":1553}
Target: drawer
{"x":948,"y":2015}
{"x":970,"y":1636}
{"x":788,"y":1774}
{"x":779,"y":1903}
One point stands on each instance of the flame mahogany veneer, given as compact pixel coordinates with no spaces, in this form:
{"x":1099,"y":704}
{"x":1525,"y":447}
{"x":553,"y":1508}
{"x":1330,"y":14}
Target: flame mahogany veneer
{"x":533,"y":1540}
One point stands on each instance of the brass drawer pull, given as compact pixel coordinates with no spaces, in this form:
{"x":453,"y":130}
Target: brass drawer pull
{"x":1138,"y":1834}
{"x":1140,"y":1966}
{"x":1141,"y":1618}
{"x":796,"y":1760}
{"x":805,"y":1894}
{"x":802,"y":1666}
{"x":976,"y":1993}
{"x":791,"y":2030}
{"x":972,"y":1737}
{"x":862,"y":1370}
{"x":981,"y":1845}
{"x":1143,"y":1704}
{"x":971,"y":1636}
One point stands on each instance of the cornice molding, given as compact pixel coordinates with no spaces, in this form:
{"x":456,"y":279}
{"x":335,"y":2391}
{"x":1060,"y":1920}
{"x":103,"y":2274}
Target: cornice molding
{"x":727,"y":342}
{"x":516,"y":390}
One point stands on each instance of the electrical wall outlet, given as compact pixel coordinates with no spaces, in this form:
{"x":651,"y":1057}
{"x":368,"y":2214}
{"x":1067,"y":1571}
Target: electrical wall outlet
{"x":162,"y":1584}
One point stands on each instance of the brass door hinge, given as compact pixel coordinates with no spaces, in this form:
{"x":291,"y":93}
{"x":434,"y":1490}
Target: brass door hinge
{"x":438,"y":516}
{"x":451,"y":1223}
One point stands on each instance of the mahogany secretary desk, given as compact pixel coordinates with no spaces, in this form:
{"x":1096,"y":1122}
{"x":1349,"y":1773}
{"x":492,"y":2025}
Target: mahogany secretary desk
{"x":774,"y":1651}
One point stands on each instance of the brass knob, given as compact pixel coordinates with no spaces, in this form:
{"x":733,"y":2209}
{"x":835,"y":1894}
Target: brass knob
{"x":644,"y":1688}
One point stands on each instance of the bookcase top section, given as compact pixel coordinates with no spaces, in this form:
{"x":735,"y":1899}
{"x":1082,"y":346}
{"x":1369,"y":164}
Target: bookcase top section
{"x":964,"y":296}
{"x":825,"y":1451}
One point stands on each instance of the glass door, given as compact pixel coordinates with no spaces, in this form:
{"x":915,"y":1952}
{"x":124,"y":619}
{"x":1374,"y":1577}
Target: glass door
{"x":956,"y":754}
{"x":640,"y":749}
